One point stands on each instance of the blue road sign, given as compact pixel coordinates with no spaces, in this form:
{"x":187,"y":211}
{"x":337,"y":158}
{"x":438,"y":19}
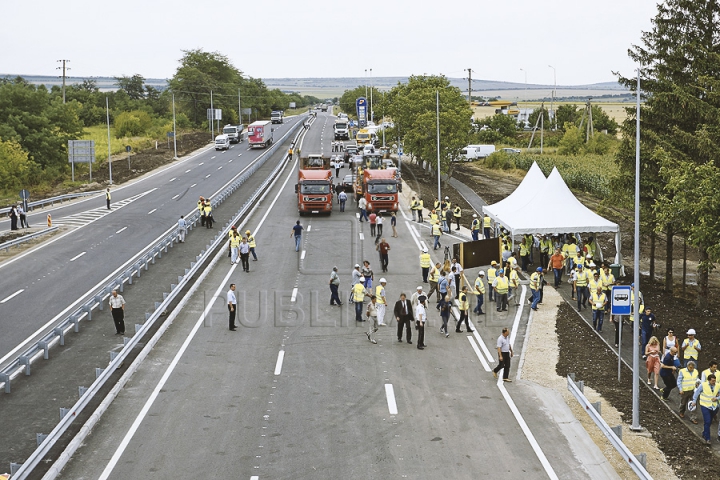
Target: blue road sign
{"x":361,"y":108}
{"x":620,"y":300}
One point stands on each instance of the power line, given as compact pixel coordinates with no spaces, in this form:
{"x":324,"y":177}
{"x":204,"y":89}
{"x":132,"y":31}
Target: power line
{"x":63,"y":68}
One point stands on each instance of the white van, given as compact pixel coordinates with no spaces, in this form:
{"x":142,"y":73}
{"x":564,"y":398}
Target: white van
{"x":222,"y":142}
{"x":472,"y":152}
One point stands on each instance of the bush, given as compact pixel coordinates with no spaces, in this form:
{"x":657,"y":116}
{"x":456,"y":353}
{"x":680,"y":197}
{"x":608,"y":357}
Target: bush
{"x":572,"y":142}
{"x":132,"y":124}
{"x":500,"y":161}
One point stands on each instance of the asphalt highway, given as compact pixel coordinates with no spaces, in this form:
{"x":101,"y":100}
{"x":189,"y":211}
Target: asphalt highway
{"x":298,"y":391}
{"x":41,"y":286}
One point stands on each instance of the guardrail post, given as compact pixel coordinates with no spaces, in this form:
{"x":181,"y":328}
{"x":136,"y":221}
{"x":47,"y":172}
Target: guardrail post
{"x":159,"y":254}
{"x":617,"y":431}
{"x":130,"y":275}
{"x":63,"y":412}
{"x":122,"y":285}
{"x":5,"y":378}
{"x":99,"y":300}
{"x":572,"y":376}
{"x":82,"y":390}
{"x":98,"y":372}
{"x":60,"y":333}
{"x":642,"y":458}
{"x":113,"y":355}
{"x":172,"y":287}
{"x":147,"y":316}
{"x":126,"y":340}
{"x":596,"y":406}
{"x":40,"y":437}
{"x":25,"y":360}
{"x":14,"y":467}
{"x":157,"y":304}
{"x":88,"y":310}
{"x":76,"y":320}
{"x":581,"y":386}
{"x":45,"y":346}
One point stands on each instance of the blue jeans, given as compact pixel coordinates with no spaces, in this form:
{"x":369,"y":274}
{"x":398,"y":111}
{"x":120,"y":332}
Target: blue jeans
{"x":437,"y":242}
{"x":474,"y":234}
{"x":342,"y":205}
{"x":486,"y":232}
{"x":480,"y":301}
{"x":334,"y":298}
{"x":535,"y":298}
{"x":598,"y":317}
{"x":358,"y":311}
{"x":367,"y":281}
{"x":297,"y":242}
{"x":708,"y":416}
{"x":558,"y":275}
{"x":363,"y":214}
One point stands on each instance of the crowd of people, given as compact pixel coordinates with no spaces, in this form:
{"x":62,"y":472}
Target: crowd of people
{"x":17,"y":216}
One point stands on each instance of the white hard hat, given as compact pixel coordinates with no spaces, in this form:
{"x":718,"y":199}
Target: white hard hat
{"x":357,"y":265}
{"x":425,"y":250}
{"x":691,"y":331}
{"x":419,"y":287}
{"x":447,"y":198}
{"x":474,"y":215}
{"x":481,"y":273}
{"x":382,"y":280}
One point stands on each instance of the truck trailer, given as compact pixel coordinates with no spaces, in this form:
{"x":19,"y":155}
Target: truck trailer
{"x":260,"y":134}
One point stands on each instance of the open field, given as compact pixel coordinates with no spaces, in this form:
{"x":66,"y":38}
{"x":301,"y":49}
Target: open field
{"x":616,"y":111}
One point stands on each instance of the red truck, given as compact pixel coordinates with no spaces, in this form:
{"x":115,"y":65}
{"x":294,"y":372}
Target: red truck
{"x":380,"y":189}
{"x":314,"y":191}
{"x":260,"y":134}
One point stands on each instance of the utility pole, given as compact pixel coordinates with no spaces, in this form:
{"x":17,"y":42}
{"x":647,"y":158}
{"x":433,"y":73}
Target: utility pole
{"x":63,"y":68}
{"x":469,"y":70}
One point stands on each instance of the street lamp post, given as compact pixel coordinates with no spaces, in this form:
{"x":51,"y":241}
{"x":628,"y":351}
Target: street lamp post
{"x":636,"y":272}
{"x":372,"y":117}
{"x":552,"y":100}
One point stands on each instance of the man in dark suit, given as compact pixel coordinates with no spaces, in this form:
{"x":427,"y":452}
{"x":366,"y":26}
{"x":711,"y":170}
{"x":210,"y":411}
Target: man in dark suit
{"x":403,"y":315}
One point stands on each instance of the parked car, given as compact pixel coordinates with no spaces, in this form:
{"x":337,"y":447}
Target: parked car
{"x":511,"y":151}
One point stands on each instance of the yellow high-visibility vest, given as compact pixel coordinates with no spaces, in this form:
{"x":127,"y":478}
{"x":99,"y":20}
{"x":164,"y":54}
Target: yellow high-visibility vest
{"x":534,"y":281}
{"x":235,"y":241}
{"x":707,"y":394}
{"x":251,"y":241}
{"x":479,"y":286}
{"x":690,"y":350}
{"x":607,"y":279}
{"x":358,"y":292}
{"x":492,"y":273}
{"x":475,"y":225}
{"x":379,"y":298}
{"x":689,"y":378}
{"x":434,"y":274}
{"x":502,"y":285}
{"x":436,"y":230}
{"x":464,"y":304}
{"x":598,"y":299}
{"x":457,"y":213}
{"x":514,"y":278}
{"x":425,"y":260}
{"x":486,"y":222}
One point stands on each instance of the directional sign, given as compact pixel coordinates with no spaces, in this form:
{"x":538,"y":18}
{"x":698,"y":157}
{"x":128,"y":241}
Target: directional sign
{"x":361,"y":109}
{"x":620,"y":303}
{"x":24,"y":194}
{"x":128,"y":148}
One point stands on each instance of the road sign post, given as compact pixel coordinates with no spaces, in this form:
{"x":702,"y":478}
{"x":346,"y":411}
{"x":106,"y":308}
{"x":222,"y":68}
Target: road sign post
{"x":620,"y":305}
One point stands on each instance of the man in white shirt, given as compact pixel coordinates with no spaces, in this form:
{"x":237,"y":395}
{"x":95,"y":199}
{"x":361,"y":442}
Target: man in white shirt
{"x":117,"y":308}
{"x":232,"y":307}
{"x":505,"y":353}
{"x":362,"y":205}
{"x":420,"y":319}
{"x":182,"y":229}
{"x":458,"y":273}
{"x":244,"y":249}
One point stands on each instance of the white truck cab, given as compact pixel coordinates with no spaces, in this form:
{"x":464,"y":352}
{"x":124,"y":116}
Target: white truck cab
{"x":222,"y":142}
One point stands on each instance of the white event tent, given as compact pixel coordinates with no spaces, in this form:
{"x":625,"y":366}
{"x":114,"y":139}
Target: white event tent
{"x":546,"y":206}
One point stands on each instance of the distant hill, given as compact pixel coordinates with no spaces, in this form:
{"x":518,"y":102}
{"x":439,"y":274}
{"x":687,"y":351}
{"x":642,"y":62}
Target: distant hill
{"x":334,"y":84}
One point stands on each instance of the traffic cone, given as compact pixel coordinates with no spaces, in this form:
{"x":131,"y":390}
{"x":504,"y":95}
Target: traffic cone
{"x":49,"y":221}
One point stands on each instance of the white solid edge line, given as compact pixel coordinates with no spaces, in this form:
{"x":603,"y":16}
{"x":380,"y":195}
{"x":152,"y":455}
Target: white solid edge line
{"x":521,"y":363}
{"x":14,"y":259}
{"x":77,"y":256}
{"x":146,"y":408}
{"x":528,"y":434}
{"x":415,"y":230}
{"x":518,"y":314}
{"x":481,"y":342}
{"x":12,"y":296}
{"x":412,"y":235}
{"x":302,"y":255}
{"x":279,"y":363}
{"x":390,"y":394}
{"x":478,"y":353}
{"x":293,"y":297}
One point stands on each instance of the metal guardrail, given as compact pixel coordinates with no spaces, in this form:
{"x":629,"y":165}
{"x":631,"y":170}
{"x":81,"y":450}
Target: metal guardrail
{"x":60,"y":198}
{"x":21,"y":471}
{"x":636,"y":463}
{"x":25,"y":238}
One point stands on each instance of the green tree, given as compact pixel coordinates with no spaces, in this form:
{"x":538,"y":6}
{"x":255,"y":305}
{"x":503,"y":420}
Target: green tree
{"x":412,"y":106}
{"x":132,"y":124}
{"x":505,"y":126}
{"x":567,"y":114}
{"x":534,"y":117}
{"x":572,"y":141}
{"x":134,"y":86}
{"x":14,"y":167}
{"x":602,"y":121}
{"x":680,"y":58}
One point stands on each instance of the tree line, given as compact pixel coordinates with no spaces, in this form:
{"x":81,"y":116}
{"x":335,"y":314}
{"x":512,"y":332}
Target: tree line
{"x":35,"y":124}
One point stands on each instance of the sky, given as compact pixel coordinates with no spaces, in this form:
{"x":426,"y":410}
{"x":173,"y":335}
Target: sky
{"x":499,"y":40}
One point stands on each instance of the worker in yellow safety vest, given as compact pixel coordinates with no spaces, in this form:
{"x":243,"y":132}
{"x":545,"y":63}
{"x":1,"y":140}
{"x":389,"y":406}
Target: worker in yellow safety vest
{"x":491,"y":275}
{"x":464,"y":306}
{"x":486,"y":226}
{"x":425,"y":262}
{"x":580,"y":283}
{"x":514,"y":279}
{"x":475,"y":227}
{"x":599,"y":303}
{"x":251,"y":244}
{"x":687,"y":381}
{"x":457,"y":213}
{"x":501,"y":286}
{"x":207,"y":213}
{"x":200,"y":207}
{"x":479,"y":293}
{"x":690,"y":347}
{"x":707,"y":394}
{"x":535,"y":280}
{"x":711,"y":370}
{"x":413,"y":208}
{"x":235,"y":240}
{"x":436,"y":232}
